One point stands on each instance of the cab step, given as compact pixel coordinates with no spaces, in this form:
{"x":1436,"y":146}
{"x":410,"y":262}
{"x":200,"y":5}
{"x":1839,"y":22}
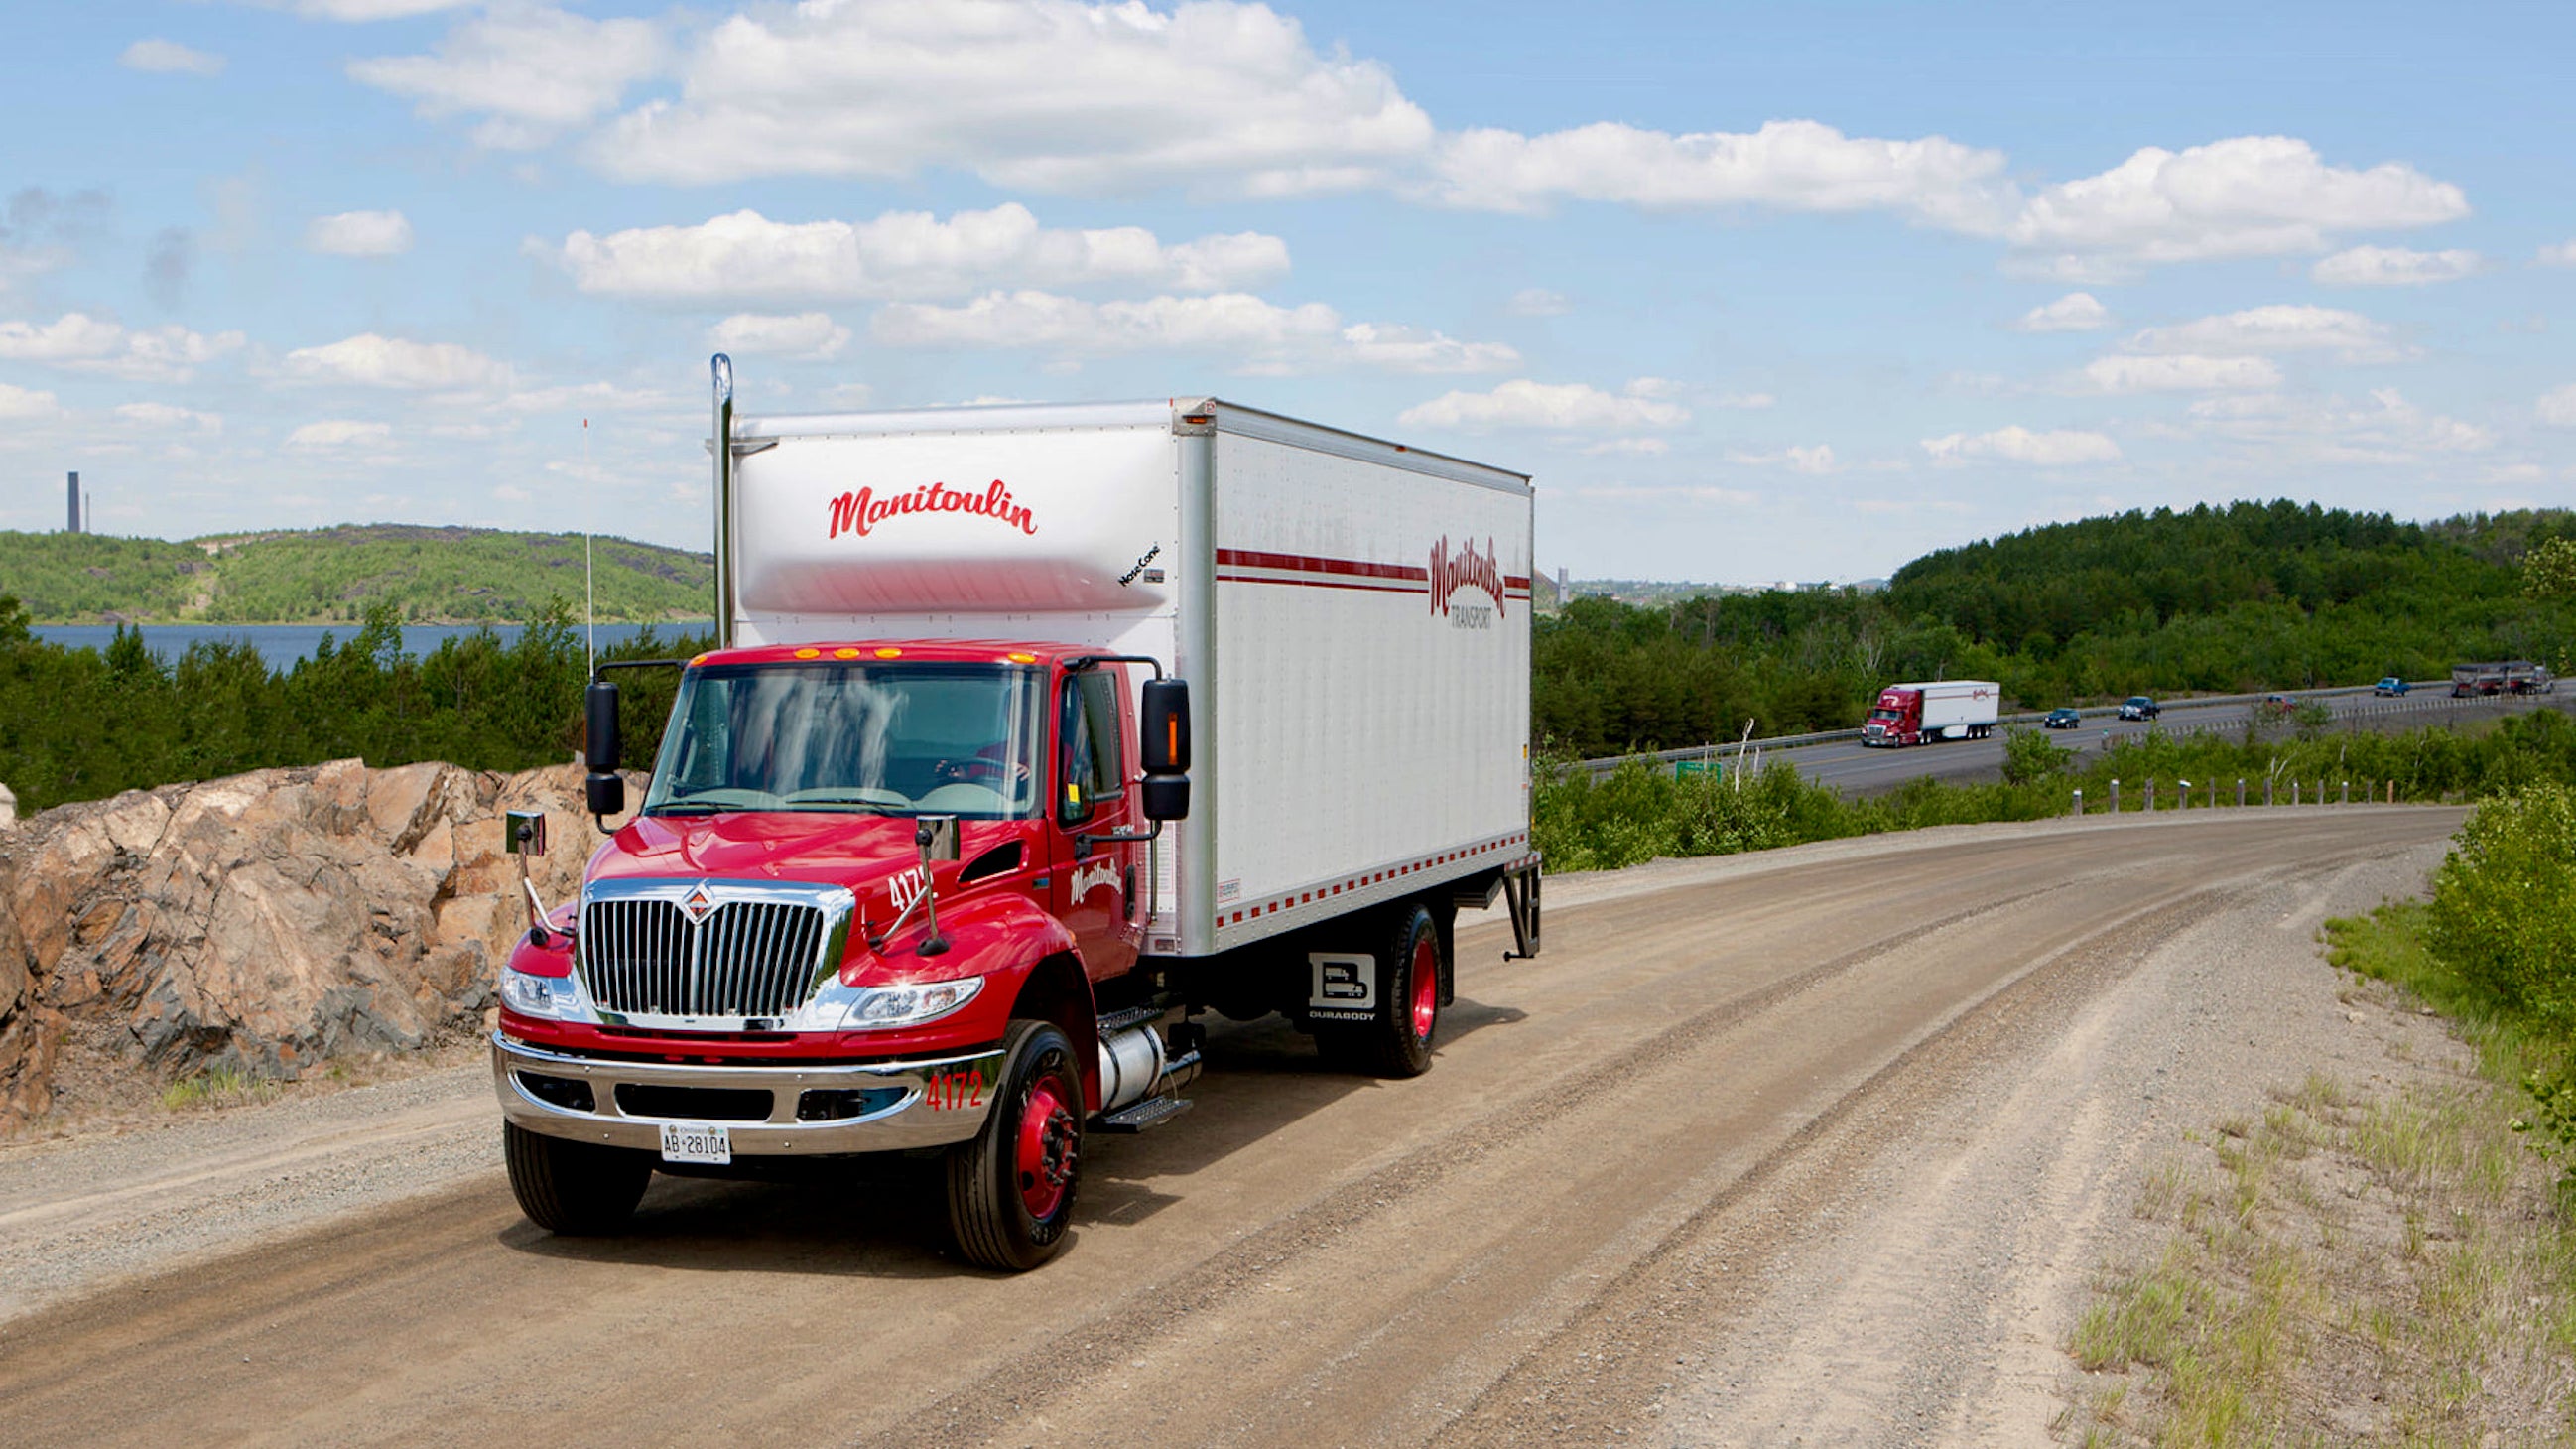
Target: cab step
{"x":1137,"y":1116}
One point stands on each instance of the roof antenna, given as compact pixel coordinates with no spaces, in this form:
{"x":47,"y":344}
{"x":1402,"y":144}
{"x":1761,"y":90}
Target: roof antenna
{"x":589,"y":584}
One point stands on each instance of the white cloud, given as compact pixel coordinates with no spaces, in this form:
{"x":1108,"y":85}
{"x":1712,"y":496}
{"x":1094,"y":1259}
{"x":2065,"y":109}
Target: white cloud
{"x":2059,"y":448}
{"x":360,"y":234}
{"x":1817,"y":460}
{"x":90,"y":344}
{"x":2185,"y":372}
{"x":2282,"y":327}
{"x":20,"y":404}
{"x":2386,"y":430}
{"x":2561,"y":255}
{"x":2394,"y":267}
{"x":1040,"y":95}
{"x":591,"y":397}
{"x":531,"y":71}
{"x":2557,"y":407}
{"x":809,"y":336}
{"x":1413,"y":349}
{"x":1538,"y":302}
{"x":164,"y":416}
{"x":2074,"y":312}
{"x":1564,"y":407}
{"x":1263,"y":336}
{"x":1786,"y":165}
{"x":360,"y":10}
{"x":74,"y":335}
{"x":509,"y":494}
{"x":1649,"y":447}
{"x":1751,"y":401}
{"x":339,"y":433}
{"x":1640,"y":493}
{"x":376,"y":361}
{"x":169,"y":57}
{"x":902,"y":254}
{"x":2249,"y":196}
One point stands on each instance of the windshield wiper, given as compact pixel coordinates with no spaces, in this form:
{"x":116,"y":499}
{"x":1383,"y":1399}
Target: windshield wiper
{"x":682,"y":807}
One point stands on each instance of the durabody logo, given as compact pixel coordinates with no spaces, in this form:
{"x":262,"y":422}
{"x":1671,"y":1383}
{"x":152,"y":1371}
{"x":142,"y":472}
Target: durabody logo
{"x":1465,"y":569}
{"x":861,"y":512}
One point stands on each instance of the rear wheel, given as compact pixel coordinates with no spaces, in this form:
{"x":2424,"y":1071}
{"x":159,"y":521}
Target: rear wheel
{"x":1010,"y":1190}
{"x":1396,"y":1040}
{"x":577,"y":1189}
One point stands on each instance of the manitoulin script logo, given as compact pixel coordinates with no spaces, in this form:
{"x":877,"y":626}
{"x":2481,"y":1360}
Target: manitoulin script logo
{"x":861,"y":512}
{"x":1466,"y":568}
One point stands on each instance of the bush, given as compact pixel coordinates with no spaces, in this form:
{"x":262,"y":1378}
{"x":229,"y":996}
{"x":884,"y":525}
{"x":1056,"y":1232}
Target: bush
{"x":2504,"y":903}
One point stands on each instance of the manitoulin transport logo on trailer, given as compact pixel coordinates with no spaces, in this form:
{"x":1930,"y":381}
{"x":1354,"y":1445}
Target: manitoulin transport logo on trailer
{"x":860,"y":513}
{"x":1464,"y":569}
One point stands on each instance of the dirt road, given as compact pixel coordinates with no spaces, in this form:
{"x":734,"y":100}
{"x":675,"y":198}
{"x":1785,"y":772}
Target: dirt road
{"x":1815,"y":1145}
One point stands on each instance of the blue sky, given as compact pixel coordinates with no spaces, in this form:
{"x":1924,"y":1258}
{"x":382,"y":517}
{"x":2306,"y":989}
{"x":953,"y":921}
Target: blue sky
{"x":1755,"y":292}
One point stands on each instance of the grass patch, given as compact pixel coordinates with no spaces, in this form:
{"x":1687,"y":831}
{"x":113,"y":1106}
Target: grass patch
{"x":2350,"y":1267}
{"x":217,"y":1086}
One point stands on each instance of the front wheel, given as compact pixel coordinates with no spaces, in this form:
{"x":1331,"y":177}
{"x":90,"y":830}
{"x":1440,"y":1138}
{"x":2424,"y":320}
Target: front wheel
{"x":575,"y":1189}
{"x":1396,"y":1039}
{"x":1010,"y":1190}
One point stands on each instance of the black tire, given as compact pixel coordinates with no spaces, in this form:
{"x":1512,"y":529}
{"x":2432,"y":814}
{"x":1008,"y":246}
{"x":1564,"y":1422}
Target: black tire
{"x":1006,"y":1213}
{"x":1396,"y":1041}
{"x":575,"y":1189}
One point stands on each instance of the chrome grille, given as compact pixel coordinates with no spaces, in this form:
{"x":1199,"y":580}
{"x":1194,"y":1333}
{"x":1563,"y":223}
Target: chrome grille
{"x":643,"y":956}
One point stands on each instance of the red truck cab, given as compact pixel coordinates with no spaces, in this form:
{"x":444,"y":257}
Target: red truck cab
{"x":774,"y":954}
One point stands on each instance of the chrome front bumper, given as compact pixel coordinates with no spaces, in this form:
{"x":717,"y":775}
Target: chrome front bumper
{"x":896,"y":1104}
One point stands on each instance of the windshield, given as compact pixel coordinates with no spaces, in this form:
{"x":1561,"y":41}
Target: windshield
{"x":1885,"y":712}
{"x":946,"y":739}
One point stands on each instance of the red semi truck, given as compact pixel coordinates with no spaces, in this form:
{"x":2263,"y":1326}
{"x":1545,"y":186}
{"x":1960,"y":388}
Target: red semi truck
{"x":1918,"y":714}
{"x":1036,"y":733}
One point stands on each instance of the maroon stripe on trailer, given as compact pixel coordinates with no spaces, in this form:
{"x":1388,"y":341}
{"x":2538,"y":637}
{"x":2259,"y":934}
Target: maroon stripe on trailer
{"x":1309,"y":564}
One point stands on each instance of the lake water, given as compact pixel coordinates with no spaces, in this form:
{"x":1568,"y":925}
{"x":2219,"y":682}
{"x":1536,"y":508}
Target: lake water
{"x":283,"y":644}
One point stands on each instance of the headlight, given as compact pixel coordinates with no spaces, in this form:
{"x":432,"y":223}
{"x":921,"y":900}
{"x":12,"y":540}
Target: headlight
{"x":884,"y":1006}
{"x":536,"y":995}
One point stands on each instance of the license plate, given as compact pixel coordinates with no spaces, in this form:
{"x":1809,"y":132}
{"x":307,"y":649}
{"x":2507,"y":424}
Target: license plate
{"x":696,"y":1142}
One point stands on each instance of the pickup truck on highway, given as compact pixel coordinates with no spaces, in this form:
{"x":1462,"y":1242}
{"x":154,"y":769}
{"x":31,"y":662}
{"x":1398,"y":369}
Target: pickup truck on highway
{"x":922,"y":867}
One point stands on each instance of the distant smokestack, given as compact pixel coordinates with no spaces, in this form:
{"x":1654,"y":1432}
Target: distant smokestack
{"x":73,"y":489}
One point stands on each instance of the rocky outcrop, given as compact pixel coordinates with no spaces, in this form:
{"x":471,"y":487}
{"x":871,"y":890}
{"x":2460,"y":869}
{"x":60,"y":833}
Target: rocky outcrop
{"x":267,"y":922}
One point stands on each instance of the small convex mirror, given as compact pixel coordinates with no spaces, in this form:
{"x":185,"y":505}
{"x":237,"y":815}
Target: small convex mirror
{"x":937,"y":837}
{"x":523,"y":832}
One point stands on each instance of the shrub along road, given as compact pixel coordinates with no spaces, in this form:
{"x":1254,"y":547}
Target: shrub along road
{"x":1823,"y":1142}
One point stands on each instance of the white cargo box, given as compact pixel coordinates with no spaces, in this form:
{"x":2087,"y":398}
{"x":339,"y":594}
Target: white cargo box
{"x":1352,"y":616}
{"x":1951,"y":703}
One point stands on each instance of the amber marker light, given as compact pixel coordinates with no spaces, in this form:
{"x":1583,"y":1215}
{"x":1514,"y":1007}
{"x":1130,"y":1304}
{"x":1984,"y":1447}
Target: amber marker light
{"x":845,"y":654}
{"x":1021,"y":658}
{"x":889,"y":654}
{"x":809,"y":653}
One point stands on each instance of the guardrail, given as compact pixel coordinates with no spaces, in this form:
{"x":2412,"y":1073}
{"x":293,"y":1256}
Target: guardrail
{"x":1728,"y":749}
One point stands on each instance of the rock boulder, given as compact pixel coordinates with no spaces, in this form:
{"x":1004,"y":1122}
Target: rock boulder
{"x":267,"y":922}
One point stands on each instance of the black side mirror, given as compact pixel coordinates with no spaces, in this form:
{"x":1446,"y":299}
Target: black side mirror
{"x":605,"y":790}
{"x":1165,"y":712}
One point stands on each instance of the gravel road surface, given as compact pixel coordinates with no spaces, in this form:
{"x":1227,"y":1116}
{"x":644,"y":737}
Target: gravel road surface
{"x":1817,"y":1146}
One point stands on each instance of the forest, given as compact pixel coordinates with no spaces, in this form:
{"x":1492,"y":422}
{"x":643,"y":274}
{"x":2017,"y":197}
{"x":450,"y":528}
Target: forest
{"x":335,"y":575}
{"x":2247,"y":597}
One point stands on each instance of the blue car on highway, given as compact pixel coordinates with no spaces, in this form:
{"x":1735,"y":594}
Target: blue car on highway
{"x":2391,"y":685}
{"x":2061,"y":719}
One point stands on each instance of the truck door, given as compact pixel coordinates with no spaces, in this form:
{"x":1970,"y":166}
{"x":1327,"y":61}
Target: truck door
{"x":1095,"y":882}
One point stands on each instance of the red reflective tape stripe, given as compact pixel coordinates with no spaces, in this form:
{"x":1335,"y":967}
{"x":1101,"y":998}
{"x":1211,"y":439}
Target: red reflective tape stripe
{"x":1309,"y":563}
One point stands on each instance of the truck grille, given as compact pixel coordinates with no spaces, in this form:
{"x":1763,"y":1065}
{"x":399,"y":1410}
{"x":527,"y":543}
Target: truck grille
{"x":745,"y":958}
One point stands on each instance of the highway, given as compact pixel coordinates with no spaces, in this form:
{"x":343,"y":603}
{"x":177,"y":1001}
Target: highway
{"x":1856,"y":769}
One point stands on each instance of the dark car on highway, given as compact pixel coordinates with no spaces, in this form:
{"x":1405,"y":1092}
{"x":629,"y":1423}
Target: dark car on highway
{"x":2061,"y":719}
{"x":2391,"y":685}
{"x":2138,"y":706}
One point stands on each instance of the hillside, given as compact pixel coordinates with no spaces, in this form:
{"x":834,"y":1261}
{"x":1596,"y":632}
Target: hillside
{"x":2250,"y":596}
{"x":332,"y":575}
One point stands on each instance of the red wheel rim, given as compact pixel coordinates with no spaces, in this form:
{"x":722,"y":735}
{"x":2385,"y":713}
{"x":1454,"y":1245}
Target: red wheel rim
{"x":1426,"y":986}
{"x":1048,"y":1133}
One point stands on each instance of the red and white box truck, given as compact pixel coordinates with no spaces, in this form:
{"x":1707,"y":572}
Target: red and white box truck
{"x":1035,"y":734}
{"x":1918,"y":714}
